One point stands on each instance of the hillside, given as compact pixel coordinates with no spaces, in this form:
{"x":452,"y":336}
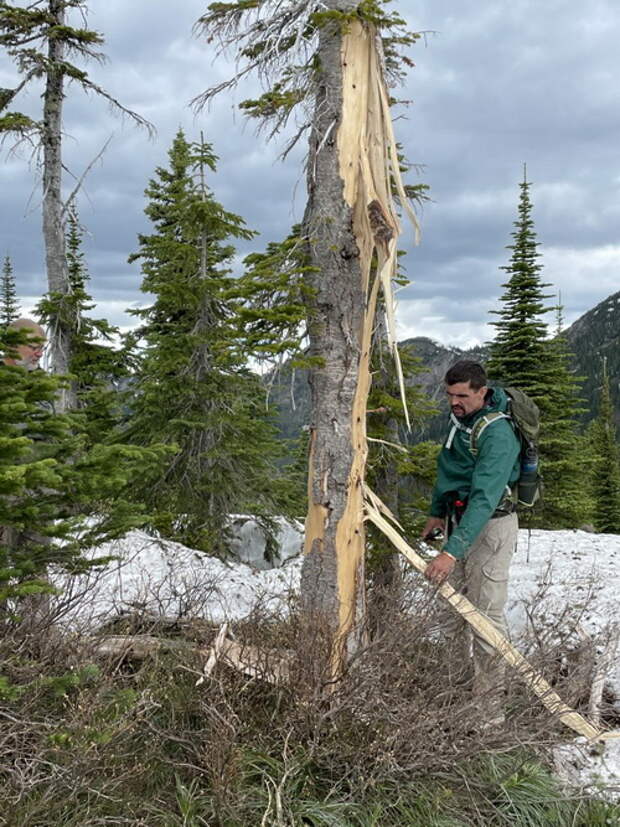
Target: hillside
{"x":291,"y":395}
{"x":594,"y":336}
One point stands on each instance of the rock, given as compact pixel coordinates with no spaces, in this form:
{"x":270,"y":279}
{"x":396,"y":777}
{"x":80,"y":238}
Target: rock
{"x":251,"y":543}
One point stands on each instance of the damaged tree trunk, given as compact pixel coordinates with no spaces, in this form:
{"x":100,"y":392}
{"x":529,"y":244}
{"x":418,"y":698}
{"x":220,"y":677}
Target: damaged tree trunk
{"x":352,"y":229}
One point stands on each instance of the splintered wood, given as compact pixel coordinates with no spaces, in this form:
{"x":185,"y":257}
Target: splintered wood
{"x":369,"y":168}
{"x":253,"y":661}
{"x":489,"y":633}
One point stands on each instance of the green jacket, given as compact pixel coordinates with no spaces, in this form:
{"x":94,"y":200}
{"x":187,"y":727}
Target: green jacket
{"x":481,"y":479}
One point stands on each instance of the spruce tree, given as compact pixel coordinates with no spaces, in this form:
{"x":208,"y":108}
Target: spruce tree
{"x":522,"y":355}
{"x":606,"y":472}
{"x":192,"y":390}
{"x":95,"y":366}
{"x":517,"y":355}
{"x":566,"y":461}
{"x":59,"y":496}
{"x":9,"y":304}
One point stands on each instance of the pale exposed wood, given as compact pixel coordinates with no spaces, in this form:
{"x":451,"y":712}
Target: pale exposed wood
{"x":253,"y":661}
{"x":214,"y":654}
{"x":487,"y":631}
{"x":270,"y":666}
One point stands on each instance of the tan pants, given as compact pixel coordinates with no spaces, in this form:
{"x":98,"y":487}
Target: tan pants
{"x":483,"y":578}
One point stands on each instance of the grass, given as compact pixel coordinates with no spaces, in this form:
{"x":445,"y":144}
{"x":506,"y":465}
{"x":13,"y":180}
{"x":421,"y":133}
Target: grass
{"x":120,"y":742}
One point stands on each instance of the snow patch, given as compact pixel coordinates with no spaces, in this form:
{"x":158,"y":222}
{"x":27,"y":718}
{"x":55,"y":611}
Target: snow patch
{"x":571,"y":578}
{"x":593,"y":770}
{"x":170,"y":580}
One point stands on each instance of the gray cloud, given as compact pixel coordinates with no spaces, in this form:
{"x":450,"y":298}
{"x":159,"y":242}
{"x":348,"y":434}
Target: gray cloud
{"x":498,"y":85}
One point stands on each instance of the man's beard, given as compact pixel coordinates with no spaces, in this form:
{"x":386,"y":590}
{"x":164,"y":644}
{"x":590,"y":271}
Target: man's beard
{"x":28,"y":364}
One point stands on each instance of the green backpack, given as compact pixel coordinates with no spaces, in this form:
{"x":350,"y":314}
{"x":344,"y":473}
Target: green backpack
{"x":524,"y":416}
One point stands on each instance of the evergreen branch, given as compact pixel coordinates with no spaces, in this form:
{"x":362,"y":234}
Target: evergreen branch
{"x":7,"y":95}
{"x":17,"y":123}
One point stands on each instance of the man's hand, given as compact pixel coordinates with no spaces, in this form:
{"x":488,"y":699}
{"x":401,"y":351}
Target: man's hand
{"x":431,"y":524}
{"x":440,"y":568}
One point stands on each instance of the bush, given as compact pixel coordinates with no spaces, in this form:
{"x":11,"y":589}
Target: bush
{"x":88,"y":740}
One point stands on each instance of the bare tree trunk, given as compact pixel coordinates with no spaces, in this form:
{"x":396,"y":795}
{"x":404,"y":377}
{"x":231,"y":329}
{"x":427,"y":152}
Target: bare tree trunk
{"x":53,"y":227}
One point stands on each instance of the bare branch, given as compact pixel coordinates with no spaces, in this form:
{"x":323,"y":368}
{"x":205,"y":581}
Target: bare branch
{"x":89,"y":85}
{"x":77,"y":187}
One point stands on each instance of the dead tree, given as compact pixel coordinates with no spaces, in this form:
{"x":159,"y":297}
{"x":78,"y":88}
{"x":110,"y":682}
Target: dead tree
{"x":40,"y":41}
{"x":332,"y":58}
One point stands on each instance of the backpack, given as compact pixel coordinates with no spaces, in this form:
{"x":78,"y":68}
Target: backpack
{"x":524,"y":416}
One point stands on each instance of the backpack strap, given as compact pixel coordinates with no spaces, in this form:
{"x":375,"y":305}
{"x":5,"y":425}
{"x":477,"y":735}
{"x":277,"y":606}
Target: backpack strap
{"x":456,"y":426}
{"x":481,"y":425}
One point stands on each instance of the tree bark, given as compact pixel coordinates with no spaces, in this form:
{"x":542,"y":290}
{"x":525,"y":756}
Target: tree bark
{"x":53,"y":227}
{"x":348,"y":226}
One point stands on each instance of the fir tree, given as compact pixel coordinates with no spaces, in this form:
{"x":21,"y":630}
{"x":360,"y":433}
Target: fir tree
{"x":192,"y":388}
{"x":606,"y":472}
{"x":58,"y":496}
{"x":9,"y":304}
{"x":41,"y":41}
{"x":271,"y":295}
{"x":566,"y":460}
{"x":517,"y":355}
{"x":522,"y":355}
{"x":96,"y":368}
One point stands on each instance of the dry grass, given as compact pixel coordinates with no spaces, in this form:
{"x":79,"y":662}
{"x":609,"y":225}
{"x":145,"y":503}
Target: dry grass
{"x":86,"y":741}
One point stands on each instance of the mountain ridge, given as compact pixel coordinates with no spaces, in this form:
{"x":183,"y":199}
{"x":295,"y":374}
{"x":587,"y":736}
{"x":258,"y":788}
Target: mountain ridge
{"x":594,"y":336}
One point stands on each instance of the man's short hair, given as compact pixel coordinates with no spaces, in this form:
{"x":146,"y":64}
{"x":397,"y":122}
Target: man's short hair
{"x":467,"y":371}
{"x":28,"y":324}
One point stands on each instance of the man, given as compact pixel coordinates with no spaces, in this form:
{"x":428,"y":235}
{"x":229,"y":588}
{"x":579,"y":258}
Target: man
{"x":28,"y":355}
{"x":472,"y":505}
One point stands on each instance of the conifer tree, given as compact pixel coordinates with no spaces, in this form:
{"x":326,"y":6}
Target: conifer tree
{"x":517,"y":355}
{"x":94,"y":366}
{"x":566,"y":461}
{"x":41,"y":41}
{"x":606,"y":472}
{"x":522,"y":355}
{"x":58,"y":496}
{"x":9,"y":304}
{"x":192,"y":389}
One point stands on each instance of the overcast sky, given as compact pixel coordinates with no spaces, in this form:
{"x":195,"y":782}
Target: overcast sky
{"x":496,"y":84}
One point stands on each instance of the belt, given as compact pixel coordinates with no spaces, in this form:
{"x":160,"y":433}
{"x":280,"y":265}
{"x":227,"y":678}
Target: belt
{"x":504,"y":511}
